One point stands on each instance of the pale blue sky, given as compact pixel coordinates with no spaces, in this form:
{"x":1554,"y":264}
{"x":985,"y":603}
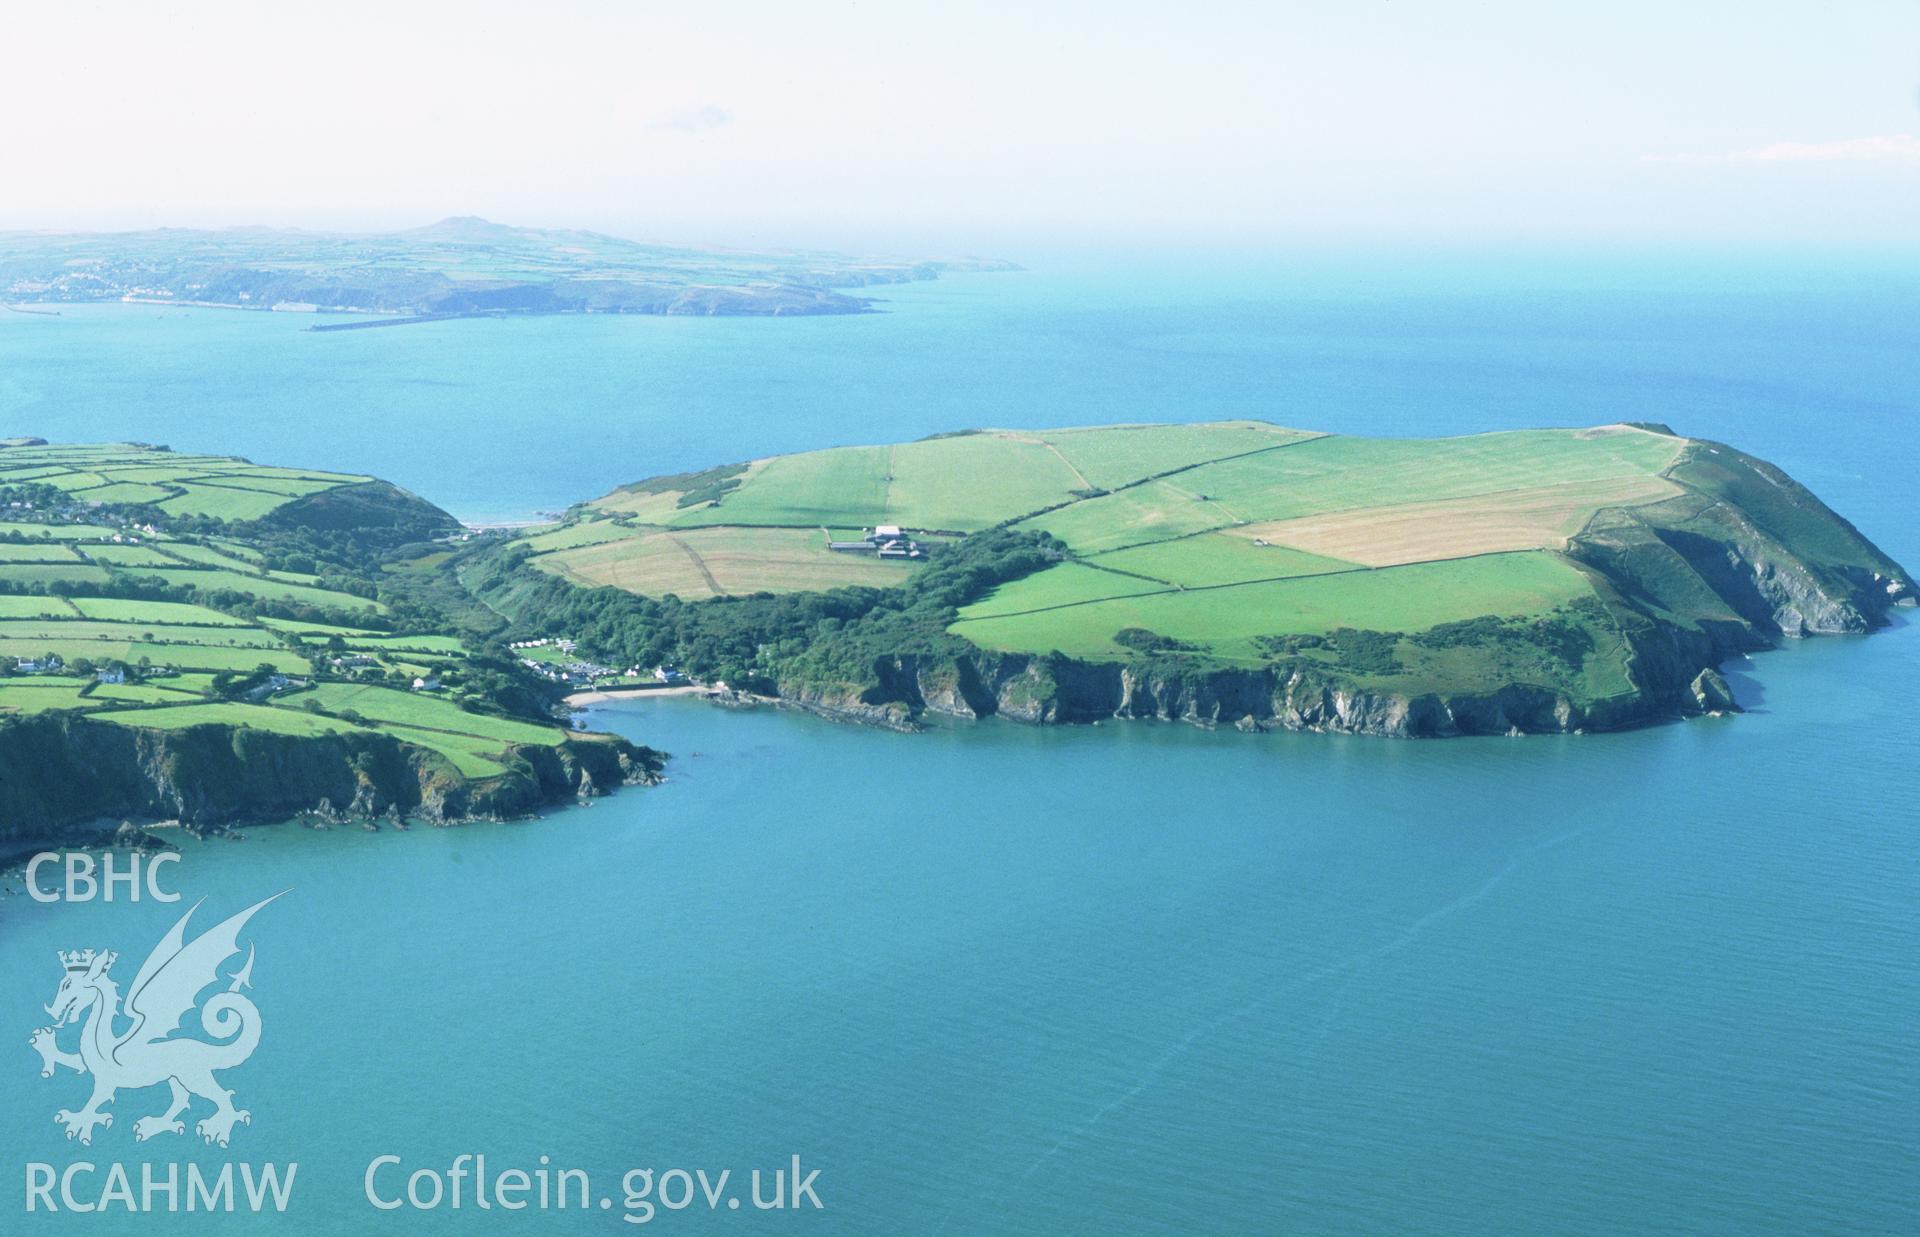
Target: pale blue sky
{"x":957,"y":123}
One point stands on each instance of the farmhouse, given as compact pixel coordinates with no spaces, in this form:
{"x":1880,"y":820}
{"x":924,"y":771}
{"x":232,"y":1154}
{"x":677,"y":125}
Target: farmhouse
{"x":883,"y":541}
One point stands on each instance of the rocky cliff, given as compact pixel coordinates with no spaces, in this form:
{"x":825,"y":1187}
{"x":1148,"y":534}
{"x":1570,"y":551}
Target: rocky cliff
{"x":1745,"y":557}
{"x":60,"y":771}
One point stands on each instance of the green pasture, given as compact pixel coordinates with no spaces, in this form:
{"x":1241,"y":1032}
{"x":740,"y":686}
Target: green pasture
{"x":129,"y":555}
{"x":1225,"y":621}
{"x":211,"y":557}
{"x":222,"y":502}
{"x":257,"y":586}
{"x":1215,"y":558}
{"x":1332,"y":473}
{"x":181,"y":484}
{"x":37,"y":693}
{"x":56,"y":532}
{"x":131,"y":650}
{"x":1111,"y":456}
{"x":471,"y":755}
{"x":424,"y":711}
{"x":142,"y":693}
{"x":124,"y":493}
{"x":162,"y":633}
{"x":579,"y":533}
{"x":315,"y":630}
{"x":227,"y":713}
{"x":129,"y":610}
{"x":15,"y":605}
{"x":40,"y":552}
{"x":1151,"y":512}
{"x":48,"y":573}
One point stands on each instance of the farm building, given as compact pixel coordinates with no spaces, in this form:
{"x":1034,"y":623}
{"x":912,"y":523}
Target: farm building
{"x":884,"y":541}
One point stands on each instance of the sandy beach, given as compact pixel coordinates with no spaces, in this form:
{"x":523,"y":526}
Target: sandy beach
{"x":580,"y":700}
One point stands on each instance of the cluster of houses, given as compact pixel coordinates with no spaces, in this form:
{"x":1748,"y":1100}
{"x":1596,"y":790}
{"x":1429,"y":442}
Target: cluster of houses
{"x":53,"y":664}
{"x":562,"y":643}
{"x":577,"y":673}
{"x":582,"y":672}
{"x":883,"y":541}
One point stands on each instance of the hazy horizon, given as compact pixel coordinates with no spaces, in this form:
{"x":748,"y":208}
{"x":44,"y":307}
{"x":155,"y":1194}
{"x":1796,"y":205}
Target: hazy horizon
{"x":949,"y":128}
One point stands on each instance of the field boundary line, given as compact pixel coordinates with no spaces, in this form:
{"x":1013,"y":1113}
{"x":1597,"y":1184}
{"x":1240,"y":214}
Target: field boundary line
{"x":1209,"y":588}
{"x":1158,"y":476}
{"x":700,"y":565}
{"x":1332,"y":511}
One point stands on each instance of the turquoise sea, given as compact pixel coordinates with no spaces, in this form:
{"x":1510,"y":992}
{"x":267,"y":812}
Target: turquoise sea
{"x":1125,"y":978}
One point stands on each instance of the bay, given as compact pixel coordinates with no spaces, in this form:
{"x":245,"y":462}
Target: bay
{"x":1126,"y":978}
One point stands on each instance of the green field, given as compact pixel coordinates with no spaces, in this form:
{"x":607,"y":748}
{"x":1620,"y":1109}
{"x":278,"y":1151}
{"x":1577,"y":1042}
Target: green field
{"x":1214,"y":558}
{"x":426,"y":712}
{"x":134,"y":611}
{"x":30,"y":552}
{"x":1152,"y":506}
{"x":180,"y":484}
{"x":1116,"y":455}
{"x":40,"y":693}
{"x":1331,"y":474}
{"x":163,"y":633}
{"x":13,"y":605}
{"x":257,"y":585}
{"x":31,"y":574}
{"x":53,"y":532}
{"x":1226,"y":620}
{"x":160,"y":653}
{"x":128,"y":556}
{"x":314,"y":630}
{"x":209,"y":556}
{"x":225,"y":713}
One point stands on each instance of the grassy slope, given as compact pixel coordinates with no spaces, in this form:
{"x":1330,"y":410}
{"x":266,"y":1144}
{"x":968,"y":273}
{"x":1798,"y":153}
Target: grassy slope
{"x":1226,"y":619}
{"x":194,"y":640}
{"x":179,"y":484}
{"x":1212,"y":536}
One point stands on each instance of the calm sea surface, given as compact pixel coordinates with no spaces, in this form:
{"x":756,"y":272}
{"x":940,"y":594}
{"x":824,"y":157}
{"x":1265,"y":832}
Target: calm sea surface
{"x":1125,"y":978}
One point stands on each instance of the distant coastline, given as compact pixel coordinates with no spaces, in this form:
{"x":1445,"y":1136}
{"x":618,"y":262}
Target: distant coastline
{"x":462,"y":267}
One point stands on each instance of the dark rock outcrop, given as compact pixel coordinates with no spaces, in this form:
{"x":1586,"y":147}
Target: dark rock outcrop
{"x":59,"y":771}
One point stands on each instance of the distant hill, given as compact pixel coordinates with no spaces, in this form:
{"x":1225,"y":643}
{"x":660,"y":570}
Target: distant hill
{"x":460,"y":265}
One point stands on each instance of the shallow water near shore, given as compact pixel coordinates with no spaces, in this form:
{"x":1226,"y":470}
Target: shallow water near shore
{"x":1133,"y":977}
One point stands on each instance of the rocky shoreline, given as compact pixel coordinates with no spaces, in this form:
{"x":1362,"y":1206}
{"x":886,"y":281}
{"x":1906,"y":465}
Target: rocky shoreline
{"x":1769,"y":594}
{"x":65,"y":772}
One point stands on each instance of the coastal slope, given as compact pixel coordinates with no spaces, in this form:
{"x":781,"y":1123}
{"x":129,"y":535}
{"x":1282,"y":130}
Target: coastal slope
{"x":207,"y":639}
{"x":1234,"y":573}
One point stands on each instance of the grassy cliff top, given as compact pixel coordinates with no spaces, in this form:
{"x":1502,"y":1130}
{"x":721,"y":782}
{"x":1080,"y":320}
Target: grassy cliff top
{"x":161,"y":590}
{"x":136,"y":474}
{"x":1409,"y":565}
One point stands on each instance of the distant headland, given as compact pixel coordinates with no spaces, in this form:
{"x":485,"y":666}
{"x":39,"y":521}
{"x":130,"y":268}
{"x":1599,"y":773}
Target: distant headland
{"x":460,"y":267}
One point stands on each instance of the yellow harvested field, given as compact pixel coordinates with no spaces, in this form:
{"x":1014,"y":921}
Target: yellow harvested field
{"x":698,"y":563}
{"x":1542,"y":517}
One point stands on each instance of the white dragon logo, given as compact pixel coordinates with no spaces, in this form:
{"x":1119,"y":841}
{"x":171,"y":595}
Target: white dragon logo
{"x":145,"y":1054}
